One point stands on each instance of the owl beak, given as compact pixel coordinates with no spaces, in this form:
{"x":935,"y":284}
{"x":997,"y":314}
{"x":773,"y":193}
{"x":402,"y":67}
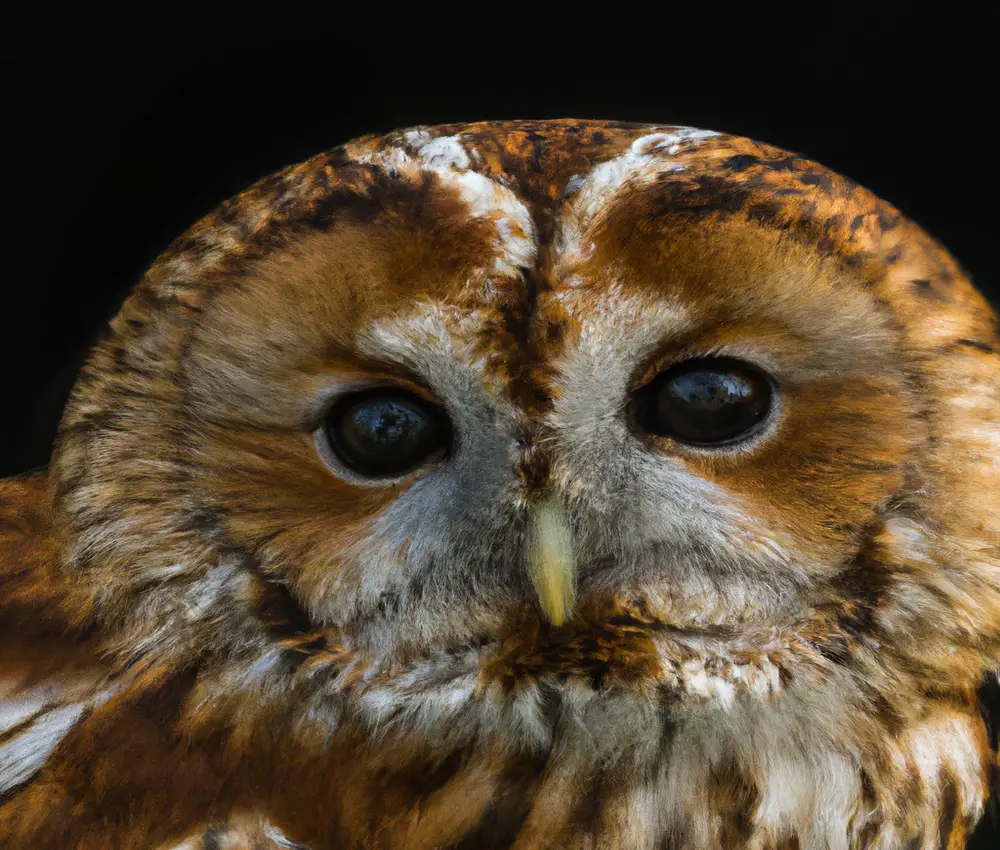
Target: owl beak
{"x":550,"y":559}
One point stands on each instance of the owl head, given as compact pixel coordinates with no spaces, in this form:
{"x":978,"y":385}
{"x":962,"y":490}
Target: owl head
{"x":567,"y":400}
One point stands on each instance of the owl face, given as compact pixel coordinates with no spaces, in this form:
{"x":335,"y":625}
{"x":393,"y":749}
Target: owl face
{"x":639,"y":482}
{"x":442,"y":387}
{"x":543,"y":393}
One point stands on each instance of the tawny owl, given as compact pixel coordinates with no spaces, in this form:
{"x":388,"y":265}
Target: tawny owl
{"x":562,"y":484}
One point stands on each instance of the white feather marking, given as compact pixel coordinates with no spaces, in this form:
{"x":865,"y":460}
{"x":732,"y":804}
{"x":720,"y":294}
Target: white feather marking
{"x":442,"y":152}
{"x":446,"y":158}
{"x":279,"y":838}
{"x":24,"y":755}
{"x":593,"y":193}
{"x":949,"y":741}
{"x":19,"y":708}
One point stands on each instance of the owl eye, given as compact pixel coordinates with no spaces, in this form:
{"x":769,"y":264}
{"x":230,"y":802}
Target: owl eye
{"x":708,"y":401}
{"x":386,"y":432}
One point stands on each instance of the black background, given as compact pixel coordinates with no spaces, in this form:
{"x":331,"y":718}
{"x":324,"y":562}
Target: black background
{"x":121,"y":133}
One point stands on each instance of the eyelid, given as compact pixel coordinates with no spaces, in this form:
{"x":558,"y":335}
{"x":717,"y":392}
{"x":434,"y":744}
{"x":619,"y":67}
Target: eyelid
{"x":345,"y":384}
{"x":747,"y":354}
{"x":661,"y":361}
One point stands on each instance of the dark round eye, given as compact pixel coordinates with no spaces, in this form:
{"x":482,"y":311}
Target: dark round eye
{"x":709,"y":401}
{"x":386,"y":432}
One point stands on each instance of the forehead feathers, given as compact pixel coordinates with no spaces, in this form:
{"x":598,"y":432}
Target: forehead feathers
{"x":529,"y":194}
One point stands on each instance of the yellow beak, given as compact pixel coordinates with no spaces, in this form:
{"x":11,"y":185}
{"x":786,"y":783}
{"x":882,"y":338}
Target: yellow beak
{"x":550,"y":557}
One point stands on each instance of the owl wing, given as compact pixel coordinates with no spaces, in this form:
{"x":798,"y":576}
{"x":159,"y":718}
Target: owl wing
{"x":53,"y":677}
{"x":36,"y":630}
{"x":50,"y":671}
{"x":987,"y":834}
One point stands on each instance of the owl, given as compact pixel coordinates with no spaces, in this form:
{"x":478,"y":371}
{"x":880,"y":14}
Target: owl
{"x":541,"y":484}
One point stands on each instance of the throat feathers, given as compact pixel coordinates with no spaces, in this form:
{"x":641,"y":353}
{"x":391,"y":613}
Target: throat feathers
{"x":550,"y":559}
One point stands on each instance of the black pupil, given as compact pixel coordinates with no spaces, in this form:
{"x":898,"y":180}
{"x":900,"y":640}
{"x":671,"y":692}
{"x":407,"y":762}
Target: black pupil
{"x":706,"y":402}
{"x":385,"y":432}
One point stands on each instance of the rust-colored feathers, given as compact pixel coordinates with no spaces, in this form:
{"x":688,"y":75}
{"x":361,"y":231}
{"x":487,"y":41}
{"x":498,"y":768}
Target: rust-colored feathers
{"x":565,"y":629}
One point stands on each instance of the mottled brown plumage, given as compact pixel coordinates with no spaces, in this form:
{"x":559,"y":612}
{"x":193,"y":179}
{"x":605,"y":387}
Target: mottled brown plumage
{"x":215,"y":635}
